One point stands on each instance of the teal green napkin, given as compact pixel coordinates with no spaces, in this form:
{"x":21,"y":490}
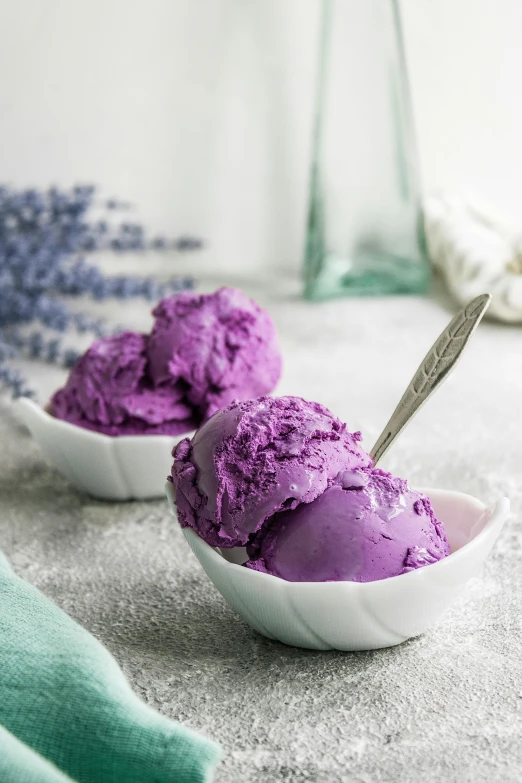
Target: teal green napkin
{"x":20,"y":764}
{"x":69,"y":713}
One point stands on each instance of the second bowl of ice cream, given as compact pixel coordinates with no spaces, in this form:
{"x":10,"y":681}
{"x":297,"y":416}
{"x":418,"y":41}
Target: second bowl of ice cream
{"x":131,"y":397}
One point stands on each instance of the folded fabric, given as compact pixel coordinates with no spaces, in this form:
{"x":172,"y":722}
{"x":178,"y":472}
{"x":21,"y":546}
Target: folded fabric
{"x":69,"y":713}
{"x":20,"y":764}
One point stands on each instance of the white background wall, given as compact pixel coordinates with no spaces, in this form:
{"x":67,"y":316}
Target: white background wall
{"x":200,"y":110}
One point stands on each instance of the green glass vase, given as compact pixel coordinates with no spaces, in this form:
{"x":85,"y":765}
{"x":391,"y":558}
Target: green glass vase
{"x":365,"y":231}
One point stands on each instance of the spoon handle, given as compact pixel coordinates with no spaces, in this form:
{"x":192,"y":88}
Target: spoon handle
{"x":434,"y":368}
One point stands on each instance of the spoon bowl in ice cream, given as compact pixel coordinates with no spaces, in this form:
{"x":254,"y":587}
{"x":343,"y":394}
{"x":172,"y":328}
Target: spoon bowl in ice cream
{"x":346,"y":615}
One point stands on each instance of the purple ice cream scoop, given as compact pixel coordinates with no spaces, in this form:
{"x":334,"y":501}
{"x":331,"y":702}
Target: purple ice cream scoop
{"x":221,"y":346}
{"x":204,"y":351}
{"x":367,"y":527}
{"x":255,"y":458}
{"x":108,"y":390}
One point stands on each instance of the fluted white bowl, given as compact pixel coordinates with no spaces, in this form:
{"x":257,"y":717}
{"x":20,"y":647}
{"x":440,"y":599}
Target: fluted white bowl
{"x":112,"y":468}
{"x":357,"y":615}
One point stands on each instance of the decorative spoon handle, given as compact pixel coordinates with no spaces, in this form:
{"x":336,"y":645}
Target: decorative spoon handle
{"x":434,"y":368}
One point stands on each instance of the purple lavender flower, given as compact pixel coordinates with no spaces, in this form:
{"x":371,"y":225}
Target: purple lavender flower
{"x":44,"y":236}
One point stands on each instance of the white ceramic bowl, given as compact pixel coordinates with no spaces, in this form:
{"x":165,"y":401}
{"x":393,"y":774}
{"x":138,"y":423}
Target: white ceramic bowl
{"x":352,"y":615}
{"x":113,"y":468}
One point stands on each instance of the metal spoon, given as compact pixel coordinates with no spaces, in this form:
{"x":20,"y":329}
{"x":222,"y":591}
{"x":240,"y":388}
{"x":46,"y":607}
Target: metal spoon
{"x":434,"y":368}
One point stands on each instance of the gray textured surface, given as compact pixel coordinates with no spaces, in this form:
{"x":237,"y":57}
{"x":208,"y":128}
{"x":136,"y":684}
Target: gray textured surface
{"x":443,"y":707}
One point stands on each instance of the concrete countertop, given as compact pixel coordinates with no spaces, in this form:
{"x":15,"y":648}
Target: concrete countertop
{"x":443,"y":707}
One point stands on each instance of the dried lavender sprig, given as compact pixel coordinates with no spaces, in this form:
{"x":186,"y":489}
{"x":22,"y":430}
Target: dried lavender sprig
{"x":60,"y":216}
{"x":42,"y":238}
{"x":11,"y":378}
{"x":37,"y":345}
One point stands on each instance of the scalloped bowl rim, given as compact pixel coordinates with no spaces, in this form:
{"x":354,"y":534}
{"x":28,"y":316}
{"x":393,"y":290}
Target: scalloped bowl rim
{"x":109,"y":467}
{"x":93,"y":434}
{"x":499,"y":512}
